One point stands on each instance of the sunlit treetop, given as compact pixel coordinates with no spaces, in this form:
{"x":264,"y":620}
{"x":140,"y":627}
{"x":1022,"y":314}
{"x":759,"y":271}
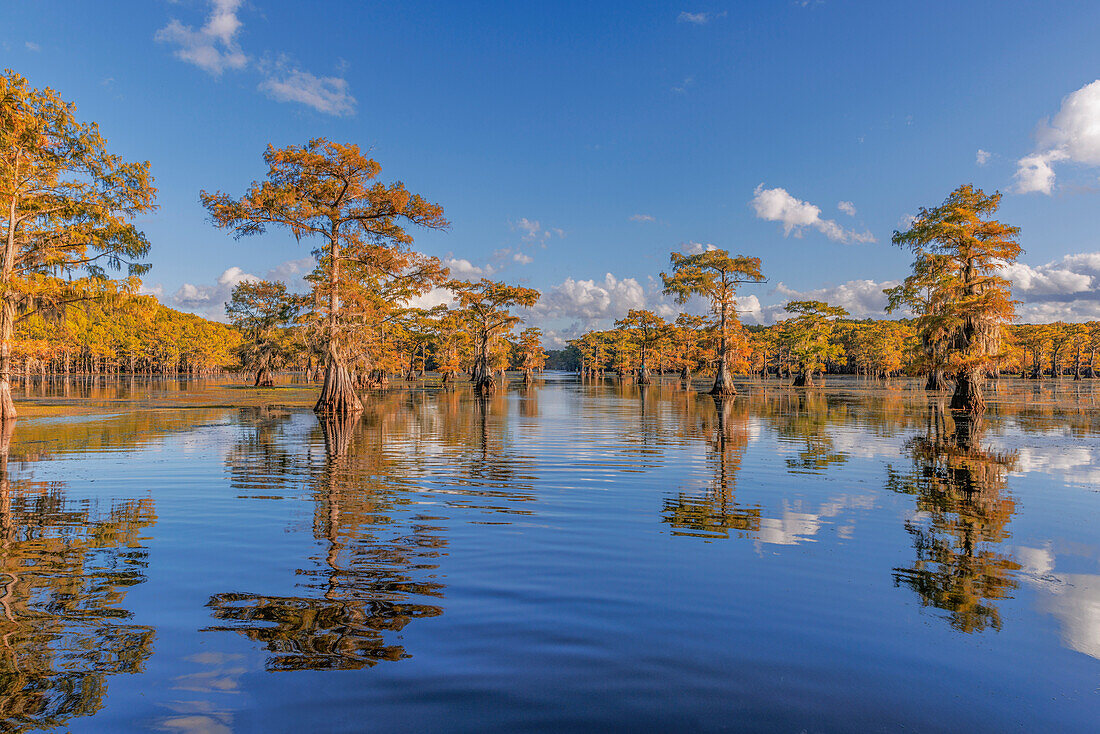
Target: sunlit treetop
{"x":314,"y":188}
{"x":713,"y":274}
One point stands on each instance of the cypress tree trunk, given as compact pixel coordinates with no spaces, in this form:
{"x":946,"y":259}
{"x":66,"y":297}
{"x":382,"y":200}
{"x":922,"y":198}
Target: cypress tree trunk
{"x":483,"y":376}
{"x":805,"y":378}
{"x":7,"y":328}
{"x":338,"y":396}
{"x":968,"y":397}
{"x":936,"y":381}
{"x":263,"y":378}
{"x":723,"y":383}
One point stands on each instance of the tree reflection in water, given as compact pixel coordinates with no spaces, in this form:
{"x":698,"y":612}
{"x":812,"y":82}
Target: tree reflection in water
{"x":716,"y":513}
{"x":963,"y":509}
{"x":373,"y":575}
{"x":64,"y":569}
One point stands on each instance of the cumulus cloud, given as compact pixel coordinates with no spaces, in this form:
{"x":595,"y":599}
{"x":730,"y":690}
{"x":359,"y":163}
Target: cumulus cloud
{"x":32,"y":46}
{"x":329,"y":95}
{"x":698,"y":18}
{"x":642,"y":218}
{"x":209,"y":299}
{"x":1035,"y":172}
{"x":776,"y":205}
{"x":847,"y":207}
{"x":431,"y":299}
{"x":592,"y":299}
{"x":696,"y":248}
{"x":213,"y":47}
{"x":1072,"y":275}
{"x":1073,"y":135}
{"x":860,"y":298}
{"x":1067,"y":289}
{"x":523,"y":259}
{"x":464,"y":269}
{"x":982,"y":157}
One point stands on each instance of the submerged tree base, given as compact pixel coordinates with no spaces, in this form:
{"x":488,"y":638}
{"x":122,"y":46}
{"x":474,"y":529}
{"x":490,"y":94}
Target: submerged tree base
{"x":264,"y":379}
{"x":7,"y":405}
{"x":804,"y":378}
{"x":936,"y":381}
{"x":338,"y":396}
{"x":968,"y":397}
{"x":723,"y":391}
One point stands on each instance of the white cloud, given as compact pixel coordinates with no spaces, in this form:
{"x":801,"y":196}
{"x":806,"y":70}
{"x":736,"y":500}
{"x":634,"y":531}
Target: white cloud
{"x":1054,"y":278}
{"x":32,"y":46}
{"x":642,"y":218}
{"x":696,"y":248}
{"x":523,"y":259}
{"x":534,"y":233}
{"x":776,"y":205}
{"x":591,"y":299}
{"x":860,"y":298}
{"x":982,"y":157}
{"x":209,"y":300}
{"x":462,"y":268}
{"x":326,"y":94}
{"x":1073,"y":135}
{"x":847,"y":207}
{"x":431,"y":299}
{"x":213,"y":48}
{"x":1035,"y":172}
{"x":698,"y":18}
{"x":1067,"y":289}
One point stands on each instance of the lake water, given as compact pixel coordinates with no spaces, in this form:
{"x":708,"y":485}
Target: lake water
{"x":572,"y":556}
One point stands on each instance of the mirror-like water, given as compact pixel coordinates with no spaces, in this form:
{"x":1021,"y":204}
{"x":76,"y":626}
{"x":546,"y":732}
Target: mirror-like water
{"x":569,"y":556}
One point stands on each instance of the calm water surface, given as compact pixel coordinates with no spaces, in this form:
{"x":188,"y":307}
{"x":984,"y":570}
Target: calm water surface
{"x":570,"y":556}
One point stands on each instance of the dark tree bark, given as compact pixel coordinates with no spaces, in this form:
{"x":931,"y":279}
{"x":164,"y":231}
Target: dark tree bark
{"x":936,"y":381}
{"x":968,"y":397}
{"x":723,"y":381}
{"x":338,"y":395}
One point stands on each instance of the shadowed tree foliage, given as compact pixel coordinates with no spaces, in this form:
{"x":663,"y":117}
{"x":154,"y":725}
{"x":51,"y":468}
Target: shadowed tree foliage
{"x":962,"y":303}
{"x":66,"y":206}
{"x":809,"y":337}
{"x":263,"y":310}
{"x":486,"y":305}
{"x":328,"y":192}
{"x":644,"y":328}
{"x":532,"y":357}
{"x":715,"y":276}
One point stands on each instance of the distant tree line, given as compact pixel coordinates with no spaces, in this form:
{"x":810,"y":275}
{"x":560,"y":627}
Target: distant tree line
{"x":71,"y":261}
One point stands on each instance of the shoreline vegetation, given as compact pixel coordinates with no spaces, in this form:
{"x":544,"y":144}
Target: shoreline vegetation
{"x":72,"y":262}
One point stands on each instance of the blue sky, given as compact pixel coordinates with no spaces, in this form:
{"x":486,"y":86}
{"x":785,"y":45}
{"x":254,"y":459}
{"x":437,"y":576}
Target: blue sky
{"x":573,"y":145}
